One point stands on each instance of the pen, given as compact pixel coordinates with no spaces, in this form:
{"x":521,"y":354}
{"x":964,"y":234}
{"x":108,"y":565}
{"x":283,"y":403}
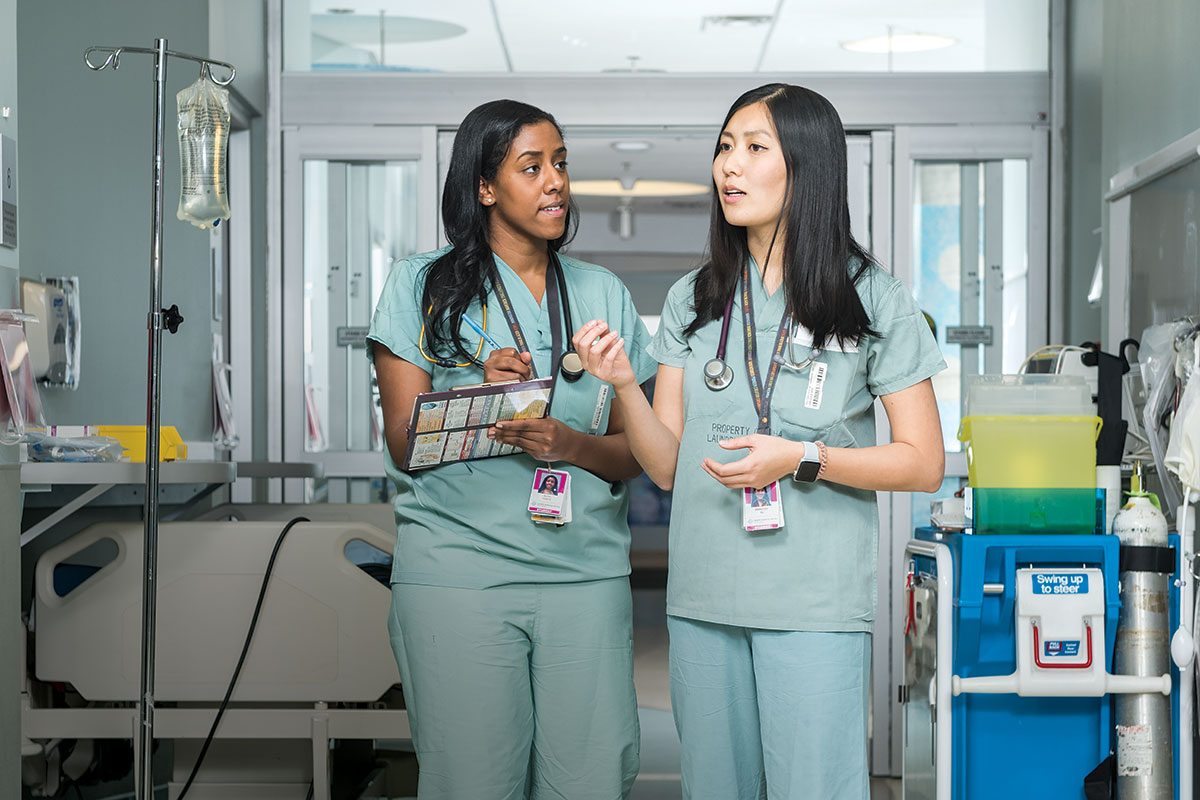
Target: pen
{"x":475,"y":326}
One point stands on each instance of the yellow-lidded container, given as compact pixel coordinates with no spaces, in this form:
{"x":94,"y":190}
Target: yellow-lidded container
{"x":1030,"y":452}
{"x":133,"y":439}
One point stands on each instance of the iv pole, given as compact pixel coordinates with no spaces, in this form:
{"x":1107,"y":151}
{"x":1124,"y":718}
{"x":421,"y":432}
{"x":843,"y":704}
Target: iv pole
{"x":158,"y":317}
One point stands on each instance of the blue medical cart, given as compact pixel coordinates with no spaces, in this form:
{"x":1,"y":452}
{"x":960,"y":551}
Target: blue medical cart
{"x":1000,"y":745}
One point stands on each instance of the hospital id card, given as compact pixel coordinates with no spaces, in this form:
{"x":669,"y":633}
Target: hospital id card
{"x":762,"y":509}
{"x":550,"y":496}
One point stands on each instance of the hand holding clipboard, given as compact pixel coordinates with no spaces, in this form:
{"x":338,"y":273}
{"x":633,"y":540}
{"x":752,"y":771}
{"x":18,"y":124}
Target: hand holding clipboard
{"x":452,"y":426}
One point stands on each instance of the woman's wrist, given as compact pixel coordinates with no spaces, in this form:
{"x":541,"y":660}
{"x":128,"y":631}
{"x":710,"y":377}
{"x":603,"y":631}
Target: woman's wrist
{"x":627,"y":390}
{"x":573,"y":451}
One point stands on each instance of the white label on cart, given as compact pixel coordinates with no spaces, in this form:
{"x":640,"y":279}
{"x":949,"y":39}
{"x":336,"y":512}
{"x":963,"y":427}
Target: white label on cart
{"x":1060,"y":583}
{"x":1135,"y":751}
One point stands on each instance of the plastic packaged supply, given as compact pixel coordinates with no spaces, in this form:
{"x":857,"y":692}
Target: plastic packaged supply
{"x":203,"y":153}
{"x":42,"y":447}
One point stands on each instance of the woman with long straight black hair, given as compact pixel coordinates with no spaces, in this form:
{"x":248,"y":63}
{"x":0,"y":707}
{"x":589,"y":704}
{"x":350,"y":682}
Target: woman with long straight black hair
{"x":513,"y":634}
{"x":771,"y":356}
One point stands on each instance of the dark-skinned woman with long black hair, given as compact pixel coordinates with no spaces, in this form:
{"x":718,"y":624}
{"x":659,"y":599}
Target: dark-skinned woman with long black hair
{"x":513,"y":636}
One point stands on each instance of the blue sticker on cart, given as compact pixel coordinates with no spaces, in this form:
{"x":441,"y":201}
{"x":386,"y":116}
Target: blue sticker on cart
{"x":1060,"y":583}
{"x":1064,"y":649}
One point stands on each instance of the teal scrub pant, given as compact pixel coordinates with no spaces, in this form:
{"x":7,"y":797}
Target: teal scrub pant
{"x":519,"y":691}
{"x":770,"y":714}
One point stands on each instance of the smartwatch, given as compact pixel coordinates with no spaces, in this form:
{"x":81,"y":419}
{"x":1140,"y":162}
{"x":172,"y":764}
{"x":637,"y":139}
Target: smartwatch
{"x":809,"y":466}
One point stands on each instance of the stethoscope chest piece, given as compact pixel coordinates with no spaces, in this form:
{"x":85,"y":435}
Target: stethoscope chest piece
{"x":571,"y":366}
{"x":717,"y":374}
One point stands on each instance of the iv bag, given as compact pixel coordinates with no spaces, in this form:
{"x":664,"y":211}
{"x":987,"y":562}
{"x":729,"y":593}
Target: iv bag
{"x":203,"y":154}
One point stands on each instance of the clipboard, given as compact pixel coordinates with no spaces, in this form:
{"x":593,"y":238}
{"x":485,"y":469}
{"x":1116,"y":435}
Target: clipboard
{"x":451,"y":426}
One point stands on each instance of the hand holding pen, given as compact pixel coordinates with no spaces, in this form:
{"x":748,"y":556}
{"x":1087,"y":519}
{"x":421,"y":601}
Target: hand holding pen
{"x":503,"y":363}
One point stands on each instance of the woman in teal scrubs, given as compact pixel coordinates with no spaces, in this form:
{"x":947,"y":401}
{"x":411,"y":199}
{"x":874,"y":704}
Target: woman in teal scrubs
{"x":513,"y":638}
{"x":770,"y":606}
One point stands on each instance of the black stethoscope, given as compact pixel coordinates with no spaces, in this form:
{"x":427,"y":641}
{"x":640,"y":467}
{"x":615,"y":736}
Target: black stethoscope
{"x":570,"y":366}
{"x":718,"y":374}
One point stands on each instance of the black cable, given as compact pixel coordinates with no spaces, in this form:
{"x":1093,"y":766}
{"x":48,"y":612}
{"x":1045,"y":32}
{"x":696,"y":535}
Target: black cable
{"x":237,"y":671}
{"x":311,"y":789}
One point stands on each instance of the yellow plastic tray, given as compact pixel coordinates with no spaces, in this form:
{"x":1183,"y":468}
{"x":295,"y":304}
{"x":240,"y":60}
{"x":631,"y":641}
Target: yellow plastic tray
{"x":133,"y":439}
{"x":1030,"y":452}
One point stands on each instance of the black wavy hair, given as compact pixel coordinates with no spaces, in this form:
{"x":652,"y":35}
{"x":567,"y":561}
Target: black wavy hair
{"x":464,"y":273}
{"x":818,"y":281}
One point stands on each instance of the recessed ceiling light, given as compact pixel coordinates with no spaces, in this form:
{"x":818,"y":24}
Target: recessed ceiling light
{"x":641,"y":188}
{"x":900,"y":43}
{"x":631,"y":146}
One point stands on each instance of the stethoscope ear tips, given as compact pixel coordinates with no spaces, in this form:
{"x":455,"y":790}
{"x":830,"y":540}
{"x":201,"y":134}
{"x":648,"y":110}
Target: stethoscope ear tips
{"x":571,"y":366}
{"x":717,"y":374}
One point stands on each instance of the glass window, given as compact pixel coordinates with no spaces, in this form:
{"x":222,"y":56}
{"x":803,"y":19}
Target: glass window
{"x":359,"y":220}
{"x":970,"y":257}
{"x":678,"y":36}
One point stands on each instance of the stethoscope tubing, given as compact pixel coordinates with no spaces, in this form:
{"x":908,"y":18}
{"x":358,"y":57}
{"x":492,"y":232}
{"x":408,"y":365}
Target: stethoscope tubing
{"x":717,"y":372}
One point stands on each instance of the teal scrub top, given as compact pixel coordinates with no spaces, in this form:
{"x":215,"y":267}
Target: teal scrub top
{"x":465,"y":524}
{"x":817,"y":573}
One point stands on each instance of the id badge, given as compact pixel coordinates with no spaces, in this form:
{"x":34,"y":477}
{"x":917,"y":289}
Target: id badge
{"x":550,"y":496}
{"x":762,"y":509}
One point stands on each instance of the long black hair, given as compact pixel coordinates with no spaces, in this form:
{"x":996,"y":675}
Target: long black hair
{"x":818,"y":282}
{"x":464,"y":273}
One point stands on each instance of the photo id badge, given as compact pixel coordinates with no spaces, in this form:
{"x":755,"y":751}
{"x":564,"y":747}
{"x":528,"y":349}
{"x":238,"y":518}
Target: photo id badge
{"x":550,"y":496}
{"x":762,"y":509}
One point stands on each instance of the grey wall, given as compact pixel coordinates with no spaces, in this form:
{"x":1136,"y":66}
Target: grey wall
{"x":1085,"y":42}
{"x":8,"y":127}
{"x":86,"y":202}
{"x":1131,"y":89}
{"x":10,"y":496}
{"x":1150,"y":63}
{"x":237,"y":34}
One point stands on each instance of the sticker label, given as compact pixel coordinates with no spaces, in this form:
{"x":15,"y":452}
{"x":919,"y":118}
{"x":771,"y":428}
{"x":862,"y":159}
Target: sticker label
{"x":1135,"y":751}
{"x":816,"y":385}
{"x":1060,"y":583}
{"x":1067,"y":648}
{"x":598,"y":414}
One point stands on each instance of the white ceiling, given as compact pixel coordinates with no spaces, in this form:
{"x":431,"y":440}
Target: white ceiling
{"x":668,"y":35}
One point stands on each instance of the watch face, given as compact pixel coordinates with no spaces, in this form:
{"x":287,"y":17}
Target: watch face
{"x":807,"y":471}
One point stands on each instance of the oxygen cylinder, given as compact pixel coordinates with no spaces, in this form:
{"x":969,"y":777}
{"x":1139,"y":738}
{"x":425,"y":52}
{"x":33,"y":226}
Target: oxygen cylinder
{"x":1144,"y":761}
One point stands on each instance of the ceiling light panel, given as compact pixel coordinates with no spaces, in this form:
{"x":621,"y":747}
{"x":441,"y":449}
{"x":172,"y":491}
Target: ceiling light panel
{"x":641,"y":188}
{"x":1012,"y":36}
{"x":675,"y":156}
{"x":475,"y":49}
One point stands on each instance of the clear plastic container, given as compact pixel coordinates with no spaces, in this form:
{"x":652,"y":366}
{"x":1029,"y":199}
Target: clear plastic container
{"x":1031,"y":452}
{"x":1029,"y":395}
{"x":1012,"y":511}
